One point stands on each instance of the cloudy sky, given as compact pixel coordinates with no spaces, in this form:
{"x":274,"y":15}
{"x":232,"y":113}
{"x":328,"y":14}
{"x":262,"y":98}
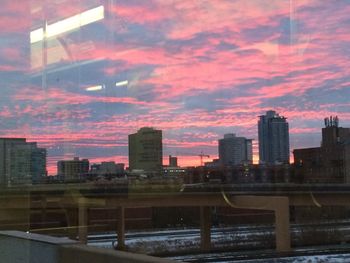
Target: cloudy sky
{"x":196,"y":69}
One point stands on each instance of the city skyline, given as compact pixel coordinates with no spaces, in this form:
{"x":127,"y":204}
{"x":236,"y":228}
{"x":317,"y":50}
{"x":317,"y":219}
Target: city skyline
{"x":194,"y":79}
{"x":229,"y":136}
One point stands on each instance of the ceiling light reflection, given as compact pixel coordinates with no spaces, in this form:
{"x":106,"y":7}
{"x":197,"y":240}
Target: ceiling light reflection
{"x":95,"y":88}
{"x":68,"y":24}
{"x":122,"y":83}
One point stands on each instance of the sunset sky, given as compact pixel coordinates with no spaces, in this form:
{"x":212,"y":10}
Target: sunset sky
{"x":196,"y":69}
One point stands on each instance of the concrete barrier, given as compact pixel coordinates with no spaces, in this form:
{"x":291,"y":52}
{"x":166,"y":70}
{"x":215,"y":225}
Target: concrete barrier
{"x":21,"y":247}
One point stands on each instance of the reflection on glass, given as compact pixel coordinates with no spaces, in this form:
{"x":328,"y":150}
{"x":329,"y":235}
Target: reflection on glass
{"x":197,"y":123}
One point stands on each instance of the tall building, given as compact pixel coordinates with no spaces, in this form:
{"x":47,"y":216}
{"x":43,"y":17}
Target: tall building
{"x":235,"y":150}
{"x":38,"y":164}
{"x":273,"y":139}
{"x":172,"y":161}
{"x":146,"y":150}
{"x":21,"y":161}
{"x":72,"y":169}
{"x":329,"y":163}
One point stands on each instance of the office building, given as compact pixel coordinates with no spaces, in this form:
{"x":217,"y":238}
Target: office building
{"x":38,"y":164}
{"x":72,"y":169}
{"x":21,"y":162}
{"x":146,"y":150}
{"x":235,"y":150}
{"x":273,"y":132}
{"x":329,"y":163}
{"x":172,"y":161}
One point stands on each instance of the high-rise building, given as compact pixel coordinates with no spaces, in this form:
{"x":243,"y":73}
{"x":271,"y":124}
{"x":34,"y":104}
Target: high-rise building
{"x":273,"y":139}
{"x":21,"y":161}
{"x":172,"y":161}
{"x":38,"y":164}
{"x":235,"y":150}
{"x":146,"y":150}
{"x":72,"y":169}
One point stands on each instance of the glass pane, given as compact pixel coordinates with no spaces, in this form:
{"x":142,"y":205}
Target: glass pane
{"x":173,"y":127}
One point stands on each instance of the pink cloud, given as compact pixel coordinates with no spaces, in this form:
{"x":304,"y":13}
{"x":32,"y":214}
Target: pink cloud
{"x":61,"y":97}
{"x":306,"y":62}
{"x":9,"y":13}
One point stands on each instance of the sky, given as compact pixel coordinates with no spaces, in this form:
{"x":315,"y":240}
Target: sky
{"x":194,"y":69}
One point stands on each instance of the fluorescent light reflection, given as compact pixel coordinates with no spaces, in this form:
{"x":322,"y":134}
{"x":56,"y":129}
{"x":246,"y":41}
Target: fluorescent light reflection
{"x":36,"y":35}
{"x":122,"y":83}
{"x":69,"y":24}
{"x":95,"y":88}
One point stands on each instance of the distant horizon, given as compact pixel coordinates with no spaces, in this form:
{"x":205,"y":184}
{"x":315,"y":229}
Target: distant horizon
{"x":190,"y":160}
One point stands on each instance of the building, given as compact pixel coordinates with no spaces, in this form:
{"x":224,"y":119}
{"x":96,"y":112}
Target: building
{"x":172,"y":161}
{"x":273,"y":139}
{"x":329,"y":163}
{"x":246,"y":173}
{"x":21,"y":162}
{"x":107,"y":168}
{"x":72,"y":169}
{"x":215,"y":163}
{"x":146,"y":150}
{"x":235,"y":150}
{"x":38,"y":164}
{"x":176,"y":171}
{"x":173,"y":169}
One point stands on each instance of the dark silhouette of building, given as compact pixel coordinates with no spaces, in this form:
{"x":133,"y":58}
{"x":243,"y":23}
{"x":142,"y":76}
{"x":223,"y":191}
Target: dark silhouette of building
{"x":146,"y":150}
{"x":273,"y":139}
{"x":235,"y":150}
{"x":21,"y":162}
{"x":107,"y":168}
{"x":172,"y":161}
{"x":72,"y":169}
{"x":240,"y":174}
{"x":38,"y":164}
{"x":329,"y":163}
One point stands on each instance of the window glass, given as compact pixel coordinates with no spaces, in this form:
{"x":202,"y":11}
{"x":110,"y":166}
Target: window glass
{"x":164,"y":99}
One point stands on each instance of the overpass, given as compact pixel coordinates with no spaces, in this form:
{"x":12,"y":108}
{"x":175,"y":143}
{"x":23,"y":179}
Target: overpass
{"x":275,"y":198}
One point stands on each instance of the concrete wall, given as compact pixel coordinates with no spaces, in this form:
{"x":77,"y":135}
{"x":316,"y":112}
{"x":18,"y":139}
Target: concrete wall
{"x":21,"y":247}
